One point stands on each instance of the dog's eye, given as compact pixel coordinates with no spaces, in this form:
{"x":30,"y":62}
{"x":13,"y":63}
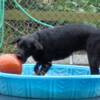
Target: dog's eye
{"x":23,"y":45}
{"x":20,"y":45}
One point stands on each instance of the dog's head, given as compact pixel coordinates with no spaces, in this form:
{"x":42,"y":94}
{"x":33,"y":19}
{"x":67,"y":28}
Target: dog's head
{"x":26,"y":46}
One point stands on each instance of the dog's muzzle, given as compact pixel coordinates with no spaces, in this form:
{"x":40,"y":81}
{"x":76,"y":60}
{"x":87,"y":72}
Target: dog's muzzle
{"x":21,"y":56}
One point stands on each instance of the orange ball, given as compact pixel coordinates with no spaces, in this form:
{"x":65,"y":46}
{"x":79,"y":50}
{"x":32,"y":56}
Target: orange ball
{"x":10,"y":64}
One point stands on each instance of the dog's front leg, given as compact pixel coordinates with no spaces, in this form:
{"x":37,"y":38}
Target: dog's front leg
{"x":45,"y":68}
{"x":36,"y":68}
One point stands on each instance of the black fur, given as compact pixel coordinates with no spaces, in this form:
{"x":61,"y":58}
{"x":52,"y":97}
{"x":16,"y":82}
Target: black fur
{"x":60,"y":42}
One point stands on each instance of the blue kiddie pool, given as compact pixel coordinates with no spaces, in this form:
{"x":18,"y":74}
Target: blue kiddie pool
{"x":61,"y":82}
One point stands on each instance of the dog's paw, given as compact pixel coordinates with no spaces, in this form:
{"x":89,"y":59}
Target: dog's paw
{"x":44,"y":69}
{"x":42,"y":72}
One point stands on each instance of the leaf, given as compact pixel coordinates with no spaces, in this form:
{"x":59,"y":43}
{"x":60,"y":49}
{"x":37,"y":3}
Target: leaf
{"x":75,"y":3}
{"x":92,"y":9}
{"x":81,"y":10}
{"x":60,"y":7}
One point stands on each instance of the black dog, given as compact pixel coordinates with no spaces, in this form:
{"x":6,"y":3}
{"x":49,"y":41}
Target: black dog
{"x":58,"y":43}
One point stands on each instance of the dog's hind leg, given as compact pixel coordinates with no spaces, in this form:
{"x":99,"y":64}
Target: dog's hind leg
{"x":93,"y":52}
{"x":94,"y":64}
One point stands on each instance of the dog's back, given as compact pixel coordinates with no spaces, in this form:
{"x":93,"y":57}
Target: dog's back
{"x":61,"y":41}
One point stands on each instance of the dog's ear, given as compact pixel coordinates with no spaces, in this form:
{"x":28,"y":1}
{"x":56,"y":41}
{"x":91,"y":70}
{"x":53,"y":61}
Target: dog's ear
{"x":15,"y":41}
{"x":38,"y":45}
